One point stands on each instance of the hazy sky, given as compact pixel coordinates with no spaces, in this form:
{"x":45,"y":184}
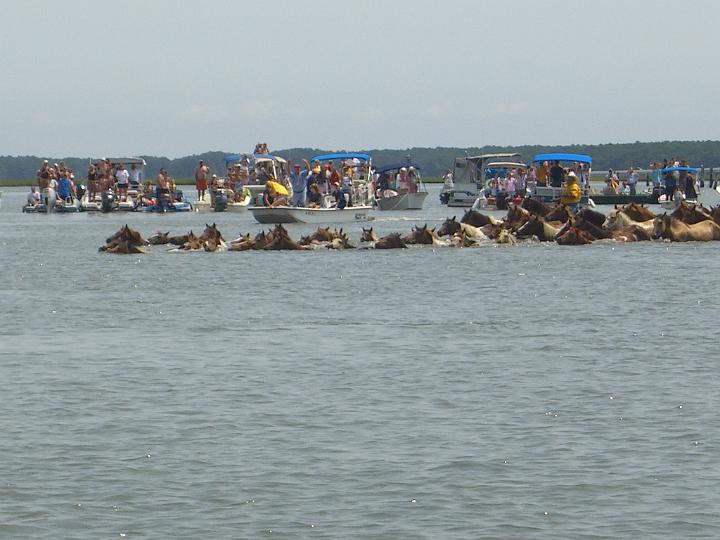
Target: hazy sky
{"x":89,"y":78}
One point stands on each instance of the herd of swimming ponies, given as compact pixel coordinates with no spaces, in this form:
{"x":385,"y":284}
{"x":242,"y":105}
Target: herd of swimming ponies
{"x":531,"y":222}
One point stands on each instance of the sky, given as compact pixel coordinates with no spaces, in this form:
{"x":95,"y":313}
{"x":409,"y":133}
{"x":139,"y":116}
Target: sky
{"x":174,"y":78}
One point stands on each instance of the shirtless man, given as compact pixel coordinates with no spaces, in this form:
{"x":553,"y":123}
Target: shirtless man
{"x":201,"y":180}
{"x":163,"y":189}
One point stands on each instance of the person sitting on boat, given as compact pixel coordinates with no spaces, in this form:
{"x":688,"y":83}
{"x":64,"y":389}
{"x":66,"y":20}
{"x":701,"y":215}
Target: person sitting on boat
{"x":314,"y":197}
{"x":571,"y":193}
{"x":342,"y":196}
{"x":612,"y":183}
{"x":65,"y":191}
{"x":148,"y":194}
{"x":33,"y":197}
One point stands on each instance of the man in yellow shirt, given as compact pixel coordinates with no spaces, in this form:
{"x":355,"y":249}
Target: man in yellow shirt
{"x":571,"y":193}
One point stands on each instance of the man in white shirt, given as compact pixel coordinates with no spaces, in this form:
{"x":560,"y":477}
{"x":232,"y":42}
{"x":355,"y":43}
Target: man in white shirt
{"x":122,"y":177}
{"x":135,"y":177}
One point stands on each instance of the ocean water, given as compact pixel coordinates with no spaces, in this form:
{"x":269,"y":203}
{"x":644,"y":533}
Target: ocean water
{"x":534,"y":391}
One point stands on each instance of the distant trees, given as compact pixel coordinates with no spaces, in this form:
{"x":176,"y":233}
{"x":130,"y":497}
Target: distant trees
{"x":433,"y":161}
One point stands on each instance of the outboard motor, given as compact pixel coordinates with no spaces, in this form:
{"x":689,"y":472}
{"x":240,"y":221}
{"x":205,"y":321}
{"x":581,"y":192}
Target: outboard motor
{"x":108,"y":200}
{"x":80,"y":191}
{"x":501,"y":201}
{"x":221,"y":200}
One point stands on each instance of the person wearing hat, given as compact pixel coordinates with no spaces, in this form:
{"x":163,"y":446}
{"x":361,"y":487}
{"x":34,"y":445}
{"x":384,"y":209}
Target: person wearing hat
{"x":201,"y":182}
{"x":298,"y":181}
{"x":571,"y":193}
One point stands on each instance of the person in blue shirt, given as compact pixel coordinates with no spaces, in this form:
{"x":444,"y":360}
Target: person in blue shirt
{"x":298,"y":181}
{"x":65,"y":188}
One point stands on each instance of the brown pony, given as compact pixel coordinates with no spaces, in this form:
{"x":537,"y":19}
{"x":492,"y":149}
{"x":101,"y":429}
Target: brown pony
{"x":125,"y":240}
{"x":477,"y":219}
{"x":538,"y":227}
{"x":242,"y":243}
{"x":535,"y":206}
{"x":159,"y":238}
{"x":319,"y":235}
{"x":677,"y":231}
{"x":516,"y":217}
{"x":451,"y":227}
{"x":193,"y":243}
{"x":391,"y":241}
{"x":637,"y":212}
{"x":574,"y":236}
{"x":560,"y":213}
{"x":368,"y":235}
{"x":282,"y":241}
{"x":423,"y":235}
{"x":691,"y":213}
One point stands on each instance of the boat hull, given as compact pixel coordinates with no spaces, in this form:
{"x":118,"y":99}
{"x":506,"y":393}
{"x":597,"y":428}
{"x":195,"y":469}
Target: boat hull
{"x":287,"y":214}
{"x":623,"y":199}
{"x":404,"y":201}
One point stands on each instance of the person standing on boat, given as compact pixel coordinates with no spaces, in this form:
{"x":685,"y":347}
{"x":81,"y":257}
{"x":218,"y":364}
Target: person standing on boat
{"x":542,"y":173}
{"x":632,"y":180}
{"x":557,"y":174}
{"x":123,"y":181}
{"x":298,"y":181}
{"x":201,"y":180}
{"x":448,"y":182}
{"x":571,"y":193}
{"x":135,"y":177}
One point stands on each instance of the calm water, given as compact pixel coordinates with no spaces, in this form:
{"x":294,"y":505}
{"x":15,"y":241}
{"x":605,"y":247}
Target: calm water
{"x":501,"y":392}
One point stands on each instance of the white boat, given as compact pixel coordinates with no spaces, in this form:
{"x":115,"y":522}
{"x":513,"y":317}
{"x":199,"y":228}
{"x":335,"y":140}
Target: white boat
{"x":692,"y":174}
{"x":388,"y":198}
{"x":469,"y":177}
{"x":204,"y":206}
{"x":403,"y":201}
{"x":292,"y":214}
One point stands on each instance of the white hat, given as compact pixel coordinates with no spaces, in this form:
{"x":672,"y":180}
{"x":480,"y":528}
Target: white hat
{"x":403,"y":169}
{"x":571,"y":174}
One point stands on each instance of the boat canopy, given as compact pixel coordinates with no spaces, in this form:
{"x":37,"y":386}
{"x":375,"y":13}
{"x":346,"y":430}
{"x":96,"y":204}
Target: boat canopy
{"x":253,"y":157}
{"x":397,"y":166}
{"x":579,"y":158}
{"x":681,"y":169}
{"x":506,"y":165}
{"x":124,"y":161}
{"x":350,"y":155}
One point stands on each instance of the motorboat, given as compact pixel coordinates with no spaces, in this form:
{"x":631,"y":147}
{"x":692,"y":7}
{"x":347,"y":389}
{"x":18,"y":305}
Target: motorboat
{"x":469,"y":178}
{"x":355,"y":207}
{"x":551,"y":194}
{"x":293,"y":214}
{"x":389,"y":196}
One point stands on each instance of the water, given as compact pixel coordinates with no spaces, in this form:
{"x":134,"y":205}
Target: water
{"x":535,"y":391}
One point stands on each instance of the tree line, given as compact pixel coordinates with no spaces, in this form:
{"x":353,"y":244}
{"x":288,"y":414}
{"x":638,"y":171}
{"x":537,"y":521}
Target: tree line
{"x":432,"y":161}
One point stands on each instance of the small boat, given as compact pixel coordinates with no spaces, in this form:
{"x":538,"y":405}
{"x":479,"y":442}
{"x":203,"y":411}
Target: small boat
{"x":551,"y":194}
{"x":469,"y":178}
{"x":292,"y":214}
{"x":400,"y":198}
{"x":621,"y":198}
{"x":358,"y":191}
{"x":223,"y":203}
